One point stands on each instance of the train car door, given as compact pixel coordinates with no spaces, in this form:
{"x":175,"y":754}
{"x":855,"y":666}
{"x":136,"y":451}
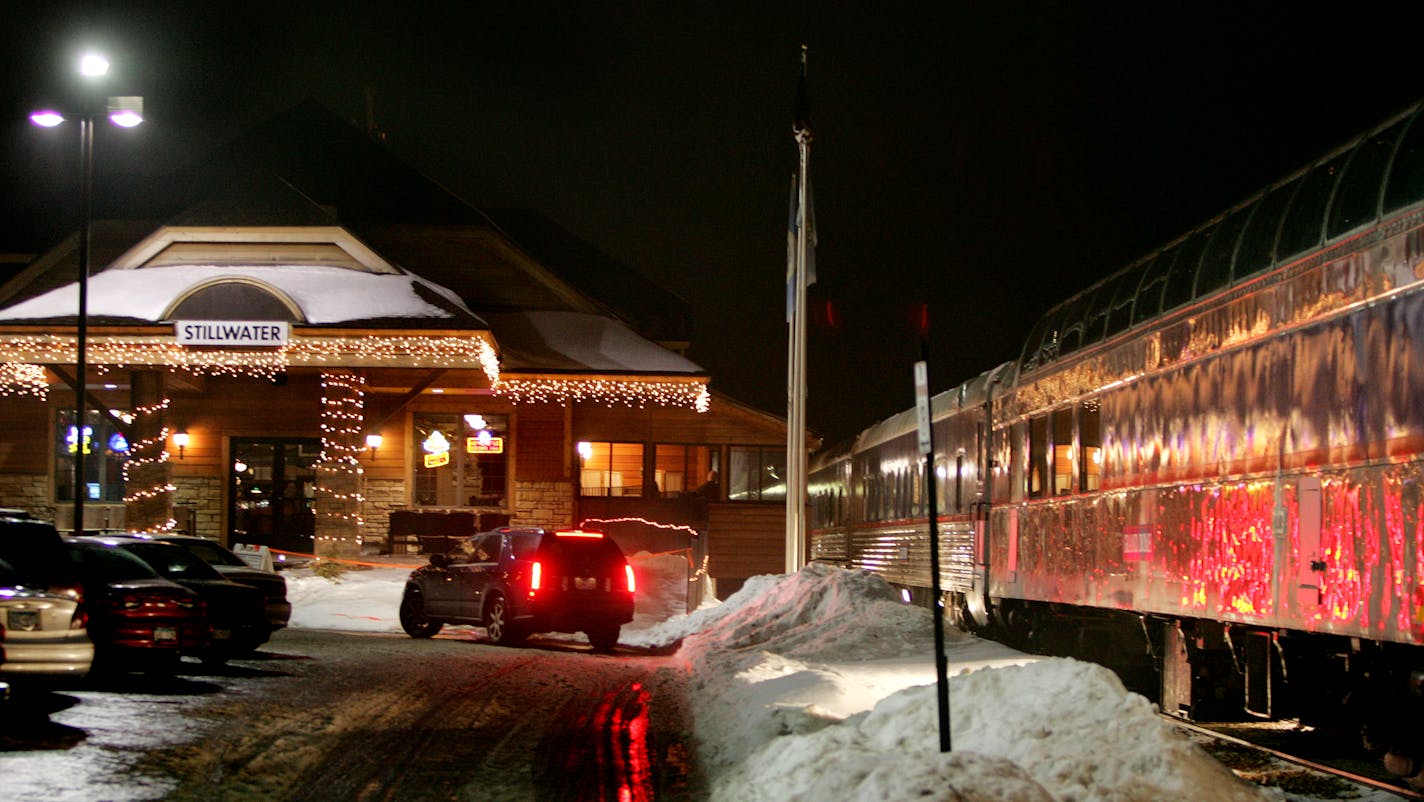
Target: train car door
{"x":1311,"y":567}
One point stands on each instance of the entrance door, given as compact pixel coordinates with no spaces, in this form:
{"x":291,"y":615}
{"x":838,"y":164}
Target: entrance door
{"x":272,"y":488}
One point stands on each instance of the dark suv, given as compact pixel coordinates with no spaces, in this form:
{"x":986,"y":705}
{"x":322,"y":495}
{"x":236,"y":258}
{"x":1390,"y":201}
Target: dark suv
{"x":515,"y":582}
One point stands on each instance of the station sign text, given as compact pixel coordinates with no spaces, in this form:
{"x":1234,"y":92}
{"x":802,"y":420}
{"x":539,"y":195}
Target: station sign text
{"x":232,"y":333}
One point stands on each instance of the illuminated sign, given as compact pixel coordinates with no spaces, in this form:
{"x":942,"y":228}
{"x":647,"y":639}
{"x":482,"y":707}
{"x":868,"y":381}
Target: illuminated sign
{"x":436,"y":443}
{"x":73,"y":439}
{"x":484,"y":445}
{"x":437,"y":460}
{"x":232,"y":333}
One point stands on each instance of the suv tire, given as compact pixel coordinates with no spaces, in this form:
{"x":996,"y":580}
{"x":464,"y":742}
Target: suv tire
{"x":603,"y":637}
{"x":412,"y":616}
{"x":498,"y":628}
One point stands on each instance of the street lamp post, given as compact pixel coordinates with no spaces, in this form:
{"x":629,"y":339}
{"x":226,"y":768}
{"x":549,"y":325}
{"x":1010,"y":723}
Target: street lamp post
{"x":125,"y":112}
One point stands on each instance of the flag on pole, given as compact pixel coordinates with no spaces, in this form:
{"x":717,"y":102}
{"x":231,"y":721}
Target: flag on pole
{"x":793,"y":225}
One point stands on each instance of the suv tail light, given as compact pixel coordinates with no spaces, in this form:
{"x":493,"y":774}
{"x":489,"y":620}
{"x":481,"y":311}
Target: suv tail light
{"x":536,"y":577}
{"x":628,"y":570}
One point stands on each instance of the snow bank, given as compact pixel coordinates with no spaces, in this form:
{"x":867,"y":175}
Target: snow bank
{"x":773,"y":681}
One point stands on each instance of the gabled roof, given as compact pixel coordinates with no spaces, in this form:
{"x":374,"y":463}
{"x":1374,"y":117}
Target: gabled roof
{"x":306,"y":193}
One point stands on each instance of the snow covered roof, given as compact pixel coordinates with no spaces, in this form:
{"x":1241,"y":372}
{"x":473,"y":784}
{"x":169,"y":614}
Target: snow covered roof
{"x":318,"y":295}
{"x":576,"y":341}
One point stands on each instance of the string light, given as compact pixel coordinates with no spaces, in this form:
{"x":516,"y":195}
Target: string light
{"x":145,"y":452}
{"x":343,"y":416}
{"x":18,"y":378}
{"x":21,"y":356}
{"x":635,"y":520}
{"x":631,"y":393}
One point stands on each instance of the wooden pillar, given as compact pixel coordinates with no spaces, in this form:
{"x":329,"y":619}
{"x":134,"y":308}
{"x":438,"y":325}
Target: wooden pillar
{"x":148,"y":475}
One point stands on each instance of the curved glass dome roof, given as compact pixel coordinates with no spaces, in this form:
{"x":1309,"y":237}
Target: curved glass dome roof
{"x":1374,"y":176}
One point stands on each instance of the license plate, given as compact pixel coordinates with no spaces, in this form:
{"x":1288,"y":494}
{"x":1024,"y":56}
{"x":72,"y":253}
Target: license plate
{"x":165,"y":633}
{"x":222,"y":634}
{"x":586,"y":583}
{"x":23,"y":620}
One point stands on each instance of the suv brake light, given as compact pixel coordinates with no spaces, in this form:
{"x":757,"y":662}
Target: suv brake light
{"x":577,"y":533}
{"x":628,"y":570}
{"x":536,"y":576}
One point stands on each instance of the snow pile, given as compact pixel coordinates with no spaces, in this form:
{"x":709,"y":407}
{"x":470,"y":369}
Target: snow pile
{"x":360,"y":600}
{"x":775,"y":682}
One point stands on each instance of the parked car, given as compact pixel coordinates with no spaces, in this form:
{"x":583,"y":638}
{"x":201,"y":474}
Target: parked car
{"x":35,"y":550}
{"x":238,"y":613}
{"x":45,"y":635}
{"x":233,"y":567}
{"x":519,"y":581}
{"x":137,"y":619}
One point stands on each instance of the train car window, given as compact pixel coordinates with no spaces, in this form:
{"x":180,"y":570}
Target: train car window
{"x":1148,"y":303}
{"x":1090,"y":446}
{"x":1124,"y":291}
{"x":1406,"y":175}
{"x":1357,"y":198}
{"x":1215,"y":271}
{"x":1063,"y":451}
{"x":1305,"y":220}
{"x":1037,"y":477}
{"x":1074,"y":319}
{"x":1184,"y":271}
{"x":1095,"y":322}
{"x":1258,"y":242}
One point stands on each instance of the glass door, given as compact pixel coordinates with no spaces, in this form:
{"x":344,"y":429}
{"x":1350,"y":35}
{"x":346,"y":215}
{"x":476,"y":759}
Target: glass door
{"x":272,"y":491}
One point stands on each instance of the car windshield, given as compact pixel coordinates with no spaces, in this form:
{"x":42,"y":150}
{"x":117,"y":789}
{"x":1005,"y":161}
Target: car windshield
{"x":209,"y":552}
{"x":172,"y":562}
{"x":110,"y":563}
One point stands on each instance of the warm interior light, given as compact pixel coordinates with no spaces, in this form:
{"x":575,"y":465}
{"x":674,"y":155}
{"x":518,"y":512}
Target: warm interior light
{"x":585,"y":450}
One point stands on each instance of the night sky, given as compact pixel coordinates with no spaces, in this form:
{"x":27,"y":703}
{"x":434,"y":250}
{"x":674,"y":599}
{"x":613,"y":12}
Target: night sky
{"x":987,"y":159}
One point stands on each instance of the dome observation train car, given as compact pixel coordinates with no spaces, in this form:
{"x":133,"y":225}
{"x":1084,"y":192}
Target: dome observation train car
{"x":1207,"y":463}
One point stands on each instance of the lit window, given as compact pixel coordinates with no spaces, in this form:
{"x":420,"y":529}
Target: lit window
{"x":610,"y":469}
{"x":756,"y":474}
{"x":105,"y":451}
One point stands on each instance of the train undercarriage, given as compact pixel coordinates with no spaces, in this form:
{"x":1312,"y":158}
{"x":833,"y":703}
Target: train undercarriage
{"x":1205,"y":670}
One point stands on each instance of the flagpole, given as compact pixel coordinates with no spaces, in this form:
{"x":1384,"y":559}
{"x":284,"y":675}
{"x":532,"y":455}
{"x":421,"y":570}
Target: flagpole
{"x":796,"y":368}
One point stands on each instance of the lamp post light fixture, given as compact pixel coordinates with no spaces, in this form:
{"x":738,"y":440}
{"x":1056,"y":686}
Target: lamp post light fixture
{"x":181,"y":438}
{"x":126,"y":112}
{"x":373,"y":442}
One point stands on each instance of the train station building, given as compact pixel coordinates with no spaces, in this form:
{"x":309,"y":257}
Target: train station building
{"x":302,"y":342}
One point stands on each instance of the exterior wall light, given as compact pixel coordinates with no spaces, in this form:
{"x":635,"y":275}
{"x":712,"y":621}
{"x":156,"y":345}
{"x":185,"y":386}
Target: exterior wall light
{"x":181,"y":439}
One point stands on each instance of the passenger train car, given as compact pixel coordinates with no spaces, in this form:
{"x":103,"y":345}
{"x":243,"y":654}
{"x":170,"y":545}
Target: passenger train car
{"x":1208,"y":463}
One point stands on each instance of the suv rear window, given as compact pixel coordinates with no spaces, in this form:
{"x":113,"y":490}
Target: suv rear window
{"x":32,"y":548}
{"x":597,"y":550}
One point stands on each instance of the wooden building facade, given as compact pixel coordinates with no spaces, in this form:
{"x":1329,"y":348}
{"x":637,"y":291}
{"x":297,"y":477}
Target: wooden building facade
{"x":316,"y":349}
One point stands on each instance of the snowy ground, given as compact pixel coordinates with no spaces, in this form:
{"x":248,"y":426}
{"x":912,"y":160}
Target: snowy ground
{"x":820,"y":685}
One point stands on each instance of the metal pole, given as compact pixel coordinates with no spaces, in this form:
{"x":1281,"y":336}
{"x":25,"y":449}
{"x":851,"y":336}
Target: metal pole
{"x":927,"y":445}
{"x":796,"y":357}
{"x":86,"y":179}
